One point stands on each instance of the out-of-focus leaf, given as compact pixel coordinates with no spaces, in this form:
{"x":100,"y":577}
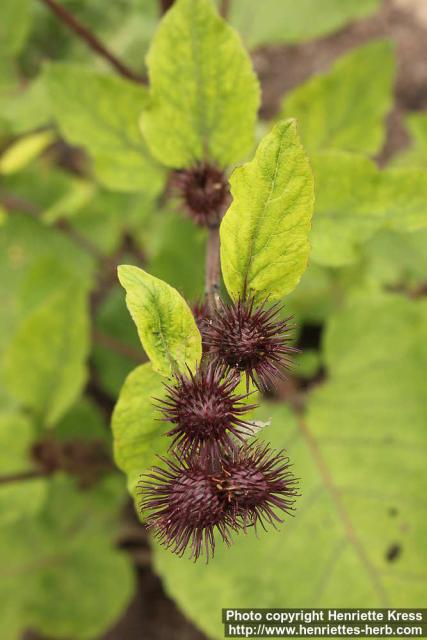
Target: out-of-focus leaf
{"x":179,"y":258}
{"x":416,"y":154}
{"x":76,"y":194}
{"x":113,"y":321}
{"x":307,"y":363}
{"x":22,"y":498}
{"x":344,"y":108}
{"x":100,"y":113}
{"x":44,"y":363}
{"x":165,"y":324}
{"x":15,"y":20}
{"x":66,"y":578}
{"x":28,"y":109}
{"x":25,"y":150}
{"x":396,"y":259}
{"x":83,"y":421}
{"x":354,"y":200}
{"x":264,"y":234}
{"x":212,"y":116}
{"x":139,"y":436}
{"x":275,"y":21}
{"x":35,"y":263}
{"x":360,"y":456}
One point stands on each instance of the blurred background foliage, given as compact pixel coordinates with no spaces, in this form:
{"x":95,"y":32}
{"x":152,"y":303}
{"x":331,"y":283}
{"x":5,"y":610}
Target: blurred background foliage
{"x":80,"y":194}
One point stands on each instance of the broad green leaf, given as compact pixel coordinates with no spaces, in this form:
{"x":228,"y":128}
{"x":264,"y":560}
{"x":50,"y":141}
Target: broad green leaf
{"x":360,"y":450}
{"x":165,"y":324}
{"x":344,"y":108}
{"x":25,"y":150}
{"x":28,"y":109}
{"x":100,"y":112}
{"x":36,"y":263}
{"x":275,"y":21}
{"x":346,"y":215}
{"x":139,"y":436}
{"x":354,"y":200}
{"x":212,"y":116}
{"x":44,"y":364}
{"x":83,"y":421}
{"x":402,"y":199}
{"x":22,"y":498}
{"x":394,"y":259}
{"x":264,"y":234}
{"x":61,"y":574}
{"x":15,"y":20}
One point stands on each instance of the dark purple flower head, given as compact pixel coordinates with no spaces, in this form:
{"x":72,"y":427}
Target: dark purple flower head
{"x":187,"y":502}
{"x":258,"y":483}
{"x":204,"y":192}
{"x":251,"y":340}
{"x":205,"y":412}
{"x":185,"y":507}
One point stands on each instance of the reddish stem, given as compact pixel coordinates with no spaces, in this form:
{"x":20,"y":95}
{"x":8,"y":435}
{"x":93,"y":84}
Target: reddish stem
{"x":91,"y":40}
{"x":213,"y":268}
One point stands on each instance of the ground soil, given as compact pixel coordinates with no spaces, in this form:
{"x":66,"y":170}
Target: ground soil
{"x":152,"y":615}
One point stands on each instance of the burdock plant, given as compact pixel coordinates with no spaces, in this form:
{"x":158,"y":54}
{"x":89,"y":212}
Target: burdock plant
{"x":209,"y":367}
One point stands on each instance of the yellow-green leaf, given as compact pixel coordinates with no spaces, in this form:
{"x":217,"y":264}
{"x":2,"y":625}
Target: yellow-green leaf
{"x":345,"y":108}
{"x":44,"y":363}
{"x":354,"y":199}
{"x":165,"y":324}
{"x":264,"y":234}
{"x":139,"y":435}
{"x":212,"y":115}
{"x":24,"y":150}
{"x":277,"y":21}
{"x":100,"y":112}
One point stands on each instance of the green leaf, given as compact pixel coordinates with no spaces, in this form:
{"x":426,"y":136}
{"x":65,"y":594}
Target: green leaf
{"x":139,"y":436}
{"x":24,"y":497}
{"x":100,"y":112}
{"x":342,"y":108}
{"x":394,"y":259}
{"x":354,"y":200}
{"x":15,"y":21}
{"x":114,"y":321}
{"x":264,"y":234}
{"x":345,"y":214}
{"x":61,"y":574}
{"x":360,"y":452}
{"x":84,"y":421}
{"x":25,"y":150}
{"x":212,"y":116}
{"x":165,"y":324}
{"x":44,"y":364}
{"x":416,"y":154}
{"x":273,"y":21}
{"x":28,"y":109}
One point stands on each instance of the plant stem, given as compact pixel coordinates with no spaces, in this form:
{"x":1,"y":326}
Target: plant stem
{"x":24,"y":475}
{"x":165,"y":5}
{"x":225,"y":8}
{"x":91,"y":40}
{"x":213,"y":268}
